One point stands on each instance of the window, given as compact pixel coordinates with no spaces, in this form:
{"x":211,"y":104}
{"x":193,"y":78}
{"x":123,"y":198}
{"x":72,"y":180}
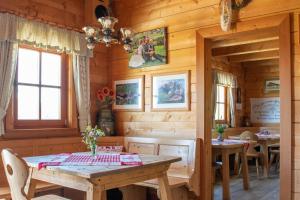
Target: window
{"x":221,"y":105}
{"x":40,"y":90}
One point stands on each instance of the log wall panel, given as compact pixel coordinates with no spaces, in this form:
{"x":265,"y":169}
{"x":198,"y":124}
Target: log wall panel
{"x":255,"y":77}
{"x":182,"y":19}
{"x":64,"y":13}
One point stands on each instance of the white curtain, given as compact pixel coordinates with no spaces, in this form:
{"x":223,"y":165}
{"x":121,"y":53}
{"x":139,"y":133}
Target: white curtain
{"x":24,"y":31}
{"x":214,"y":97}
{"x":230,"y":81}
{"x":16,"y":30}
{"x":225,"y":79}
{"x":8,"y":57}
{"x":82,"y":87}
{"x":232,"y":106}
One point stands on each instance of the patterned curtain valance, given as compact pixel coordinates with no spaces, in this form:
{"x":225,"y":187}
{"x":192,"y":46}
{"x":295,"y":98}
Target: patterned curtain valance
{"x":24,"y":31}
{"x":225,"y":79}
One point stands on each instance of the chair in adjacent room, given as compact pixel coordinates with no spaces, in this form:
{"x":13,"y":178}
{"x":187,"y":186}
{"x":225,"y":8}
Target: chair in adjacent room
{"x":251,"y":151}
{"x":274,"y":155}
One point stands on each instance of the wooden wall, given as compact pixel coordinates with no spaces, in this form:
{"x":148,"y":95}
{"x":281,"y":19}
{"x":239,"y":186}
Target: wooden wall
{"x":67,"y":13}
{"x":255,"y":77}
{"x":183,"y":17}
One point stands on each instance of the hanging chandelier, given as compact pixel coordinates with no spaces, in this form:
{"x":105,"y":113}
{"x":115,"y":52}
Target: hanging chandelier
{"x":107,"y":34}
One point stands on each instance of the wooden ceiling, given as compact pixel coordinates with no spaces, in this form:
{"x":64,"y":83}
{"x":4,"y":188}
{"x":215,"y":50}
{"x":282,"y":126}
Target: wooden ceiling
{"x":249,"y":48}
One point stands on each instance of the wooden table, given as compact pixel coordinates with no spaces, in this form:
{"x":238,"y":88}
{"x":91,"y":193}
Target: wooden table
{"x":95,"y":180}
{"x":264,"y":141}
{"x":226,"y":148}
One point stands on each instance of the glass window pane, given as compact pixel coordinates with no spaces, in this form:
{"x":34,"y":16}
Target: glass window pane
{"x":220,"y":112}
{"x":220,"y":94}
{"x":28,"y":102}
{"x":50,"y":104}
{"x":217,"y":112}
{"x":51,"y":69}
{"x":28,"y":66}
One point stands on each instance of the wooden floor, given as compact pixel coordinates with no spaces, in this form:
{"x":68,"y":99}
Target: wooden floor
{"x":260,"y":189}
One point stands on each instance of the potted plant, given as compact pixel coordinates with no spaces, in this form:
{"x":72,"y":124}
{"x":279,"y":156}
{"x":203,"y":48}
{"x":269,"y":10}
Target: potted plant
{"x":220,"y":128}
{"x":89,"y":137}
{"x":105,"y":117}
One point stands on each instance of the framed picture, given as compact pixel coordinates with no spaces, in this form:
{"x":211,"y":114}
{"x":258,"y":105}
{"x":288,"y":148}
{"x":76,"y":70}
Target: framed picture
{"x":149,"y":49}
{"x":171,"y":91}
{"x":272,"y":85}
{"x":129,"y":94}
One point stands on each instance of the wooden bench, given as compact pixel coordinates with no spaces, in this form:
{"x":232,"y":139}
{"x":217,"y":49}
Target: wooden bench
{"x":40,"y":187}
{"x":181,"y":174}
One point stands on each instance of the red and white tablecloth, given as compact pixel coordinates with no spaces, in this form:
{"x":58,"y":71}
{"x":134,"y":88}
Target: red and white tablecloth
{"x":85,"y":159}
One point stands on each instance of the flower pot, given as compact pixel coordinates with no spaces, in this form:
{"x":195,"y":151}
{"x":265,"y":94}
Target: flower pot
{"x":105,"y":121}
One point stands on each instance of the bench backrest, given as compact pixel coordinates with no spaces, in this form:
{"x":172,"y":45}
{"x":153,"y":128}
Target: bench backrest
{"x":187,"y":149}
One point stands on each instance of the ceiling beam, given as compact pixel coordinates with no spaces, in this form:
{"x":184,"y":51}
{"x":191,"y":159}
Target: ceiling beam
{"x":246,"y":48}
{"x":271,"y":62}
{"x":254,"y":57}
{"x":246,"y":39}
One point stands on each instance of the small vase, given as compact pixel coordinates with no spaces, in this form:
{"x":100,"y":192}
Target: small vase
{"x":105,"y":121}
{"x":220,"y":137}
{"x":93,"y":150}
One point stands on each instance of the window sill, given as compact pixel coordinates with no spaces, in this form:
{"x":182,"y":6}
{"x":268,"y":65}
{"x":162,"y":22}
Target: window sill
{"x":40,"y":133}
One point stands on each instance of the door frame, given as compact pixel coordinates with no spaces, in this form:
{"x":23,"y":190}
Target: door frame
{"x":280,"y":24}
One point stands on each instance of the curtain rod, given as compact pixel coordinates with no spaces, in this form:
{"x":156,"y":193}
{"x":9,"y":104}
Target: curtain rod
{"x":18,"y":14}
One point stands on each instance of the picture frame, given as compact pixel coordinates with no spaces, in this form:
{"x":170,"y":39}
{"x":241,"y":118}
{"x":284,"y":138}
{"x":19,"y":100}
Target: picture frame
{"x":129,"y":94}
{"x":171,"y":91}
{"x":149,"y":49}
{"x":272,"y":85}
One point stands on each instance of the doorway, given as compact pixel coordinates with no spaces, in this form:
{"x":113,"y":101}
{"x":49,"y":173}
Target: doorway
{"x":280,"y":26}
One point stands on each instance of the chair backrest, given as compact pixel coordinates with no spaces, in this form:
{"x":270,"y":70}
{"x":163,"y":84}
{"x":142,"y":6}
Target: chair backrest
{"x":16,"y":171}
{"x":248,"y":135}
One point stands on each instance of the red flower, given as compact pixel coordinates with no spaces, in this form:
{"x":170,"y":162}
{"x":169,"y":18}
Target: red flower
{"x":99,"y":92}
{"x":111,"y":93}
{"x":100,"y":97}
{"x":105,"y":91}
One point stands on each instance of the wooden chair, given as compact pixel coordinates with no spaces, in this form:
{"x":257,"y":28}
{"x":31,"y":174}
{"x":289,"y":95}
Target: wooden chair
{"x":275,"y":153}
{"x":17,"y":173}
{"x":251,"y":151}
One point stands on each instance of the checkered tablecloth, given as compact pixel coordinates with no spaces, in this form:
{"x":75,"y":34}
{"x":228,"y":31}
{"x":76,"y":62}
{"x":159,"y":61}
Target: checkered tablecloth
{"x":85,"y":159}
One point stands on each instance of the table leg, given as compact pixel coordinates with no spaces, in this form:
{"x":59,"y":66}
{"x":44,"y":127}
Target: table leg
{"x":30,"y":185}
{"x":226,"y":177}
{"x":236,"y":164}
{"x":96,"y":193}
{"x":245,"y":169}
{"x":165,"y":192}
{"x":265,"y":152}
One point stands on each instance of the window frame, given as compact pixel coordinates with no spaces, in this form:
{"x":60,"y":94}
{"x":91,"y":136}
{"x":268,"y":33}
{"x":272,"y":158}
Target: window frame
{"x":19,"y":124}
{"x":68,"y":127}
{"x":225,"y":120}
